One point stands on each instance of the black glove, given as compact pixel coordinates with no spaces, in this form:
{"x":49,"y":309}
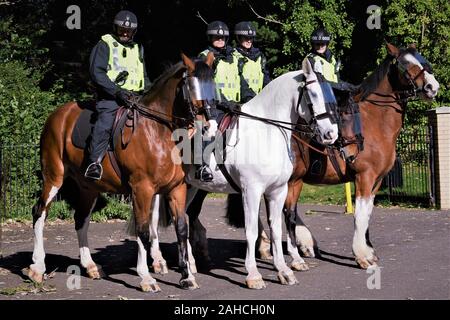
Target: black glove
{"x":344,"y":86}
{"x":227,"y":106}
{"x":123,"y":97}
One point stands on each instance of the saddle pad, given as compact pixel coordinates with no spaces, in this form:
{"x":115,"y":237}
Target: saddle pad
{"x":83,"y":128}
{"x":85,"y":123}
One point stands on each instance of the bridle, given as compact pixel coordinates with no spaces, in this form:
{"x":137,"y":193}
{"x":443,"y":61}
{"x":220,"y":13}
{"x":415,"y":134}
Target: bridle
{"x":401,"y":97}
{"x":173,"y":122}
{"x":330,"y":112}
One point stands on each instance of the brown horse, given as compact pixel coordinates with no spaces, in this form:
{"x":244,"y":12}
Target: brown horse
{"x":382,"y":103}
{"x":146,"y":165}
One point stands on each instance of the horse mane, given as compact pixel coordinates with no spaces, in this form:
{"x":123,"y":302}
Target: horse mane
{"x":370,"y":84}
{"x":161,"y":81}
{"x":202,"y":71}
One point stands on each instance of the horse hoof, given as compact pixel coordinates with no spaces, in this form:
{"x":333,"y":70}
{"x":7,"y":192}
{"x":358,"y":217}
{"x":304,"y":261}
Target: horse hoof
{"x":287,"y":278}
{"x":265,"y":255}
{"x":160,"y":268}
{"x":366,"y":263}
{"x":255,"y":284}
{"x":147,"y":287}
{"x":308,"y":252}
{"x":299,"y":266}
{"x":189,"y":284}
{"x":33,"y":275}
{"x":93,"y":272}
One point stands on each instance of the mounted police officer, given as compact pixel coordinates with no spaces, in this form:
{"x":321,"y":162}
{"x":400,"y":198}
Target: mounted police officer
{"x":324,"y":62}
{"x":118,"y":71}
{"x":251,"y":62}
{"x":226,"y":77}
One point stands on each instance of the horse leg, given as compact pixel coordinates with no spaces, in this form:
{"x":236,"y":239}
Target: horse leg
{"x":177,"y":203}
{"x":365,"y":254}
{"x":159,"y":263}
{"x":82,"y":217}
{"x":274,"y":203}
{"x":263,"y":242}
{"x":197,"y":232}
{"x":53,"y":180}
{"x":251,"y":200}
{"x":290,"y":215}
{"x":142,"y":196}
{"x":302,"y":235}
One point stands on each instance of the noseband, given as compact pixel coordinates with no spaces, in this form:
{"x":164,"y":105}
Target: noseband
{"x":329,"y":113}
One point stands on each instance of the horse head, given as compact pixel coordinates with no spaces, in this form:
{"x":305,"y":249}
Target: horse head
{"x":322,"y":104}
{"x":415,"y":72}
{"x":199,"y":87}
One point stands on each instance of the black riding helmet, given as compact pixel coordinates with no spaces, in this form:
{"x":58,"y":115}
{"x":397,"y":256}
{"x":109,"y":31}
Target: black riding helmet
{"x":126,"y":20}
{"x":320,"y":36}
{"x":244,"y":28}
{"x":217,"y":28}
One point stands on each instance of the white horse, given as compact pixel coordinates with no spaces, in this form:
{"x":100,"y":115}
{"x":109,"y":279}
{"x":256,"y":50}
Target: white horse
{"x":259,"y":163}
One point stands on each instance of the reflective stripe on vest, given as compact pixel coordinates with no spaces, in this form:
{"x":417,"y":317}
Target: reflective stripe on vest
{"x":123,"y":58}
{"x":252,"y":72}
{"x":328,"y":68}
{"x":226,"y":77}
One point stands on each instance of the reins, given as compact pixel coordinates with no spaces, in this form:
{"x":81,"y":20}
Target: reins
{"x":276,"y":123}
{"x":172,"y":123}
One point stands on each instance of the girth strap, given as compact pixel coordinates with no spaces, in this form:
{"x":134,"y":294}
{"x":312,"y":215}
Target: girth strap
{"x":335,"y":162}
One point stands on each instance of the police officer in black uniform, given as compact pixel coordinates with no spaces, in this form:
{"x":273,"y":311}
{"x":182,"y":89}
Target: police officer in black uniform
{"x":118,"y":71}
{"x":226,"y":77}
{"x":325,"y":63}
{"x":252,"y":62}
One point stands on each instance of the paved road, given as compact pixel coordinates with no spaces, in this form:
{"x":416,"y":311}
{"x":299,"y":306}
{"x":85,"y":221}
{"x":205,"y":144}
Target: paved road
{"x":413,"y":246}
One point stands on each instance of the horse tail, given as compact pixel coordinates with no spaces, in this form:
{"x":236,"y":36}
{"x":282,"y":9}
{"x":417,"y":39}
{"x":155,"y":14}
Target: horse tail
{"x":235,"y":211}
{"x":165,"y":216}
{"x":131,"y":226}
{"x":70,"y":192}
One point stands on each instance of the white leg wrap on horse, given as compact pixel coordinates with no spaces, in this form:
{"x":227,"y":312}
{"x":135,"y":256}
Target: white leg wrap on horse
{"x":142,"y":268}
{"x":85,"y":257}
{"x":363,"y":211}
{"x":38,"y":252}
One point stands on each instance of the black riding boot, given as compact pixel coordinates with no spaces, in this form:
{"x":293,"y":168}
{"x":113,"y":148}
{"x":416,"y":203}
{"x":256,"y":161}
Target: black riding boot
{"x":203,"y":173}
{"x":106,"y":110}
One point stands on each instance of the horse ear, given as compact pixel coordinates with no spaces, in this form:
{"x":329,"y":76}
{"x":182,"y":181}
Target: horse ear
{"x":306,"y":66}
{"x":188,"y":62}
{"x":392,"y":50}
{"x":209,"y":59}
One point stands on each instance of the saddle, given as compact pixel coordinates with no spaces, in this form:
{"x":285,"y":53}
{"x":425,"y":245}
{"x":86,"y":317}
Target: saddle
{"x":229,"y":120}
{"x":81,"y":135}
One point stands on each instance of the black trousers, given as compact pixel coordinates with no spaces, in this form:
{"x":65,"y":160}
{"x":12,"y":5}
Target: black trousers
{"x":106,"y":112}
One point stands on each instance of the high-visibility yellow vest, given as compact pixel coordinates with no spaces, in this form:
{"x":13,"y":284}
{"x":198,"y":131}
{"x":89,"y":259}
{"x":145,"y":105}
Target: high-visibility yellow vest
{"x":226,"y":77}
{"x":328,"y":68}
{"x":252,"y":72}
{"x":122,"y":58}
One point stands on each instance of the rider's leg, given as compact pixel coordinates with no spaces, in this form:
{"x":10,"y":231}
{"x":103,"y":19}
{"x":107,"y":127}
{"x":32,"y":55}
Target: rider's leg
{"x":203,"y":172}
{"x":106,"y":110}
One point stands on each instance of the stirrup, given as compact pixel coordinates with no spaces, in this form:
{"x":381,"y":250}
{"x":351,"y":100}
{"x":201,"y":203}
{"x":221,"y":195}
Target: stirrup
{"x":94,"y":171}
{"x":204,"y":174}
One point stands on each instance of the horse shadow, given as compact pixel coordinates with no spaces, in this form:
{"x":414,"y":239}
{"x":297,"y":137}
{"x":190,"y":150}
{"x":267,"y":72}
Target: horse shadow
{"x":116,"y":259}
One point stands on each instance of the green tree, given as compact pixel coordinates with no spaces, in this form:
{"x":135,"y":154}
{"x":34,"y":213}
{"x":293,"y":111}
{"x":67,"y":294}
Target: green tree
{"x":427,"y":24}
{"x":299,"y":18}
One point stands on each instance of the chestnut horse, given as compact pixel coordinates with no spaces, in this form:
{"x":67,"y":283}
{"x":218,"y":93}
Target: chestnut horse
{"x":382,"y":99}
{"x":146,"y":165}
